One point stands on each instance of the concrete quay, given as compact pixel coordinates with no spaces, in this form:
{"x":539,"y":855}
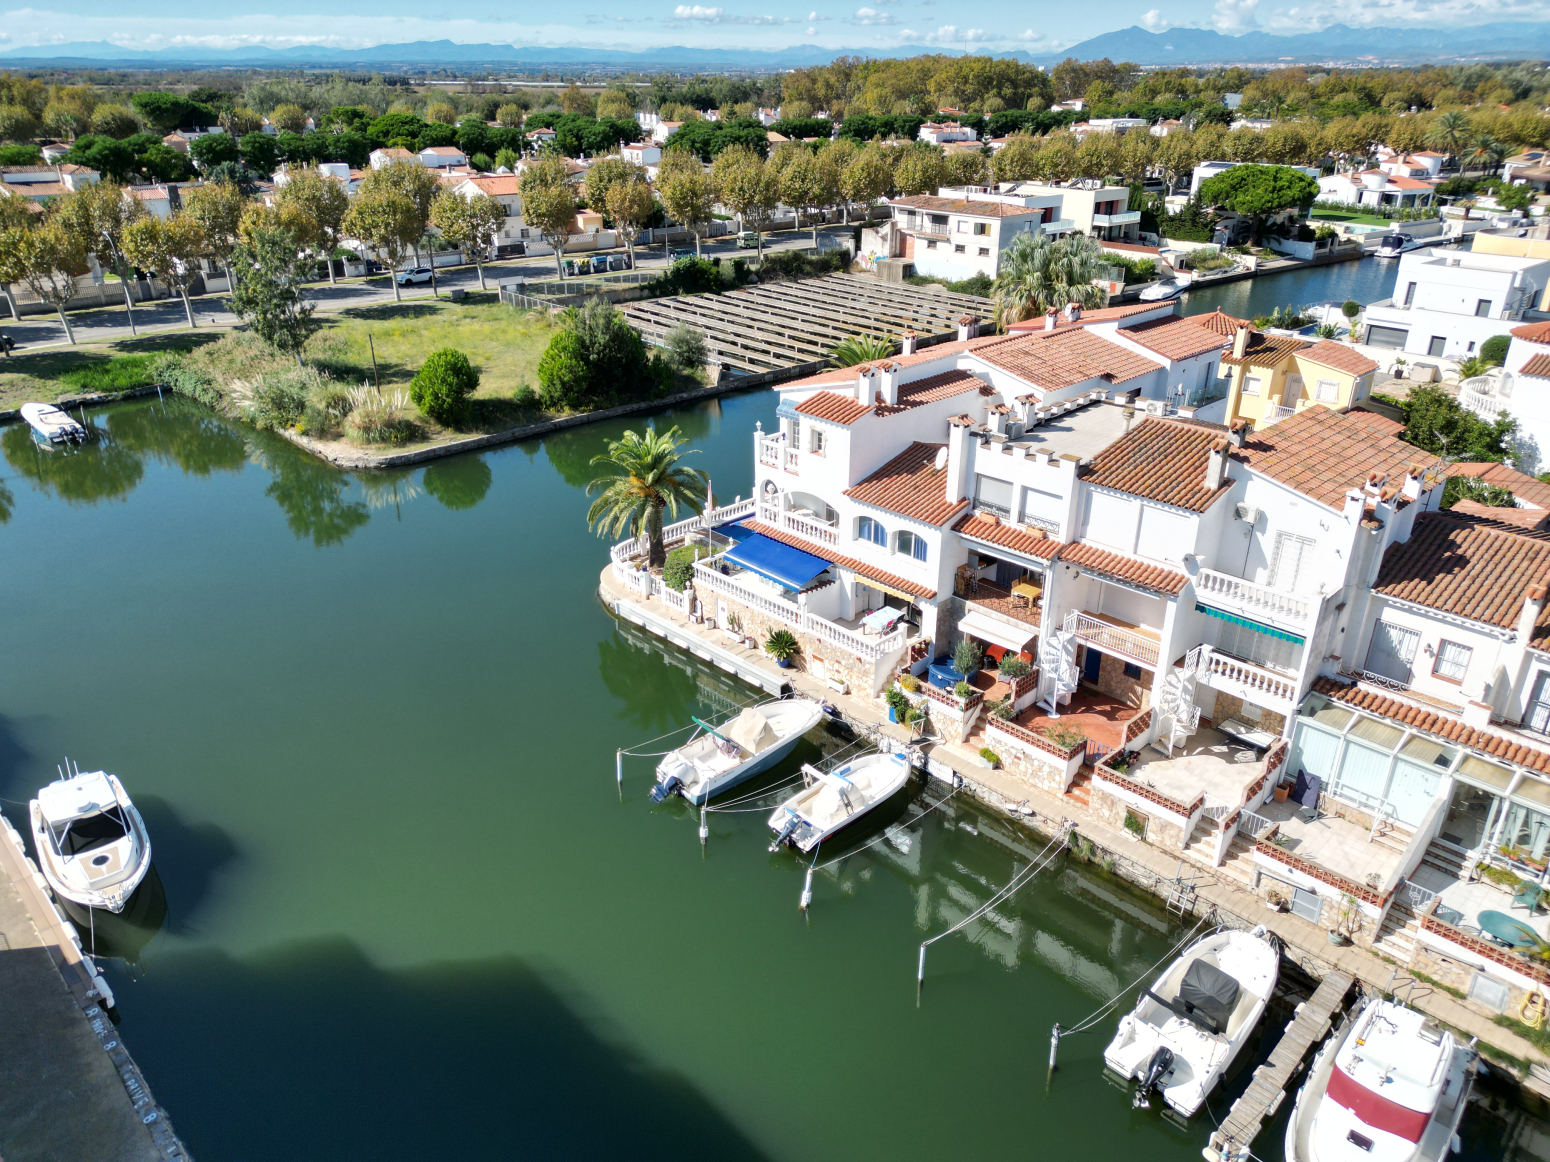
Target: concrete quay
{"x":1147,"y":866}
{"x":69,"y":1091}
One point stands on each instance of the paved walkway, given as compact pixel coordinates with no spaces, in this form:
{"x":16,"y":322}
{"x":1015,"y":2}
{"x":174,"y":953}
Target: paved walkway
{"x":1306,"y":942}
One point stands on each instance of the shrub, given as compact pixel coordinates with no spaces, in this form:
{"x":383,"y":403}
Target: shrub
{"x":1493,"y":352}
{"x":1135,"y":824}
{"x":175,"y":374}
{"x":686,"y":348}
{"x":1013,"y":666}
{"x":909,"y":682}
{"x":989,"y":755}
{"x":526,"y":397}
{"x":687,"y":276}
{"x":375,"y":418}
{"x":1326,"y":331}
{"x":964,"y":690}
{"x":278,"y":401}
{"x":782,"y":643}
{"x":679,"y":569}
{"x":440,"y":389}
{"x":563,"y":377}
{"x":1064,"y":736}
{"x":896,"y":700}
{"x":792,"y":264}
{"x":1350,"y":308}
{"x":967,"y":656}
{"x":859,"y":349}
{"x":1002,"y":708}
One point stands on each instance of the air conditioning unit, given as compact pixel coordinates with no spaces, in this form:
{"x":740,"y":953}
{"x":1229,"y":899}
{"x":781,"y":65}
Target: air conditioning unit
{"x":1247,"y":513}
{"x":1014,"y":429}
{"x":1156,"y":407}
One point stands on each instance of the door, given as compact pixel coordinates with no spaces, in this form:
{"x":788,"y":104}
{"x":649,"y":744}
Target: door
{"x":1411,"y":791}
{"x":1537,"y":715}
{"x":1391,"y":652}
{"x":1090,"y":663}
{"x":1437,"y":346}
{"x":1293,"y":556}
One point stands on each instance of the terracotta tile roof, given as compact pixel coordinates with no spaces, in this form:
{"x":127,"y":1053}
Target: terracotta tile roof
{"x":1533,"y":332}
{"x":892,"y":580}
{"x":911,"y":485}
{"x":1099,"y":315}
{"x":1528,"y":519}
{"x":831,"y":406}
{"x":1538,"y":367}
{"x":930,"y":202}
{"x":1064,"y":358}
{"x":1323,"y":454}
{"x":1175,"y":338}
{"x":1465,"y":569}
{"x":1522,"y":485}
{"x":1220,"y":322}
{"x":981,"y":526}
{"x":1340,"y":356}
{"x":1377,"y":421}
{"x":1266,"y":350}
{"x":1132,"y":248}
{"x":931,"y":389}
{"x":497,"y":184}
{"x":394,"y":151}
{"x":1444,"y":726}
{"x":1127,"y":569}
{"x":1162,"y":460}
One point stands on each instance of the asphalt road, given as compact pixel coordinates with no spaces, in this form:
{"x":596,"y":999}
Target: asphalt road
{"x":110,"y":323}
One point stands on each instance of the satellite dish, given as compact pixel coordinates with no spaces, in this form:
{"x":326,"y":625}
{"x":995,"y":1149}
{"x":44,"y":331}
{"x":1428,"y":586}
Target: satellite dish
{"x":941,"y":459}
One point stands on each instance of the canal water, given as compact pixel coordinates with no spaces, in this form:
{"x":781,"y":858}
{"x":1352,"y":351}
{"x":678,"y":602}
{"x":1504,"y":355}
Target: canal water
{"x":1367,"y":280}
{"x":402,"y":910}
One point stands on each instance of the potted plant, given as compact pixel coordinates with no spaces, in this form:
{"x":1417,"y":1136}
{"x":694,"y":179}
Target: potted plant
{"x":914,"y":717}
{"x":782,"y":645}
{"x":1282,"y":791}
{"x":898,"y":704}
{"x":1275,"y":900}
{"x":967,"y":657}
{"x":1348,"y":922}
{"x":989,"y":757}
{"x":1011,"y":668}
{"x":964,"y":691}
{"x":909,"y":683}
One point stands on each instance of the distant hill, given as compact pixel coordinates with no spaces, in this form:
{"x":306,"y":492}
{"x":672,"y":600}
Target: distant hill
{"x":1178,"y":46}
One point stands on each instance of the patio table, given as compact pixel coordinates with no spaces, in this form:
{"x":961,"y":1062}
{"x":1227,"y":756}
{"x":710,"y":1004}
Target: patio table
{"x":1028,"y":592}
{"x":1513,"y":933}
{"x":882,"y":620}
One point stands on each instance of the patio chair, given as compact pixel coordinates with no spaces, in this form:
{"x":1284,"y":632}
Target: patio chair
{"x":1528,"y":896}
{"x":1449,"y":915}
{"x":1310,"y":798}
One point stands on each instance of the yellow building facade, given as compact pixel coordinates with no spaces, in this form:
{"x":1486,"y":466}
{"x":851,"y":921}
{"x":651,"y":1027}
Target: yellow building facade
{"x":1276,"y":376}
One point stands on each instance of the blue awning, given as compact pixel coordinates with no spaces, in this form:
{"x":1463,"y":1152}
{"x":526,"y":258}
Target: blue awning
{"x":733,"y":530}
{"x":780,"y":563}
{"x":1256,"y":626}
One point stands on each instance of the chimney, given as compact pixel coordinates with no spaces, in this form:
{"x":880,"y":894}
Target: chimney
{"x":910,"y":343}
{"x":1051,"y":319}
{"x":960,"y":447}
{"x":1240,"y":341}
{"x":1375,"y":483}
{"x":866,"y":385}
{"x":1533,"y":606}
{"x":1216,"y":465}
{"x":1186,"y":412}
{"x":1073,"y":312}
{"x":890,"y":381}
{"x":968,"y":327}
{"x":1237,"y":432}
{"x":996,"y":417}
{"x":1414,"y":474}
{"x":1355,"y":505}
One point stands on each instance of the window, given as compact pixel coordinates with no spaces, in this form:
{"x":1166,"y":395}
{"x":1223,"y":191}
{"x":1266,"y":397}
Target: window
{"x":963,"y":227}
{"x":1260,"y":648}
{"x":1291,"y":563}
{"x":1452,"y":661}
{"x":1251,"y":385}
{"x":1437,"y":346}
{"x":1391,"y":337}
{"x":1326,"y":390}
{"x":931,"y":245}
{"x":816,"y":441}
{"x":993,"y":495}
{"x":1306,"y":904}
{"x":982,"y":227}
{"x":1483,"y":308}
{"x":1409,"y":294}
{"x":939,"y":220}
{"x":1391,"y":652}
{"x":911,"y":545}
{"x":1490,"y":993}
{"x":868,"y":529}
{"x":984,"y":252}
{"x":958,"y":248}
{"x":1132,"y":670}
{"x":1536,"y":715}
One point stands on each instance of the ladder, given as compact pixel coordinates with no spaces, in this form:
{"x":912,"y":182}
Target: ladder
{"x":1181,"y":893}
{"x":1057,"y":662}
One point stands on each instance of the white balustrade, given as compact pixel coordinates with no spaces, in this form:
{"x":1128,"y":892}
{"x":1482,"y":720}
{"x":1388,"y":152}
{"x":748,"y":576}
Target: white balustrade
{"x":1222,"y":589}
{"x":769,"y":450}
{"x":1262,"y":683}
{"x":1252,"y":825}
{"x":810,"y":527}
{"x":675,"y":534}
{"x":1112,"y":639}
{"x":1418,"y":897}
{"x":1485,"y":406}
{"x":1274,"y":414}
{"x":790,"y":462}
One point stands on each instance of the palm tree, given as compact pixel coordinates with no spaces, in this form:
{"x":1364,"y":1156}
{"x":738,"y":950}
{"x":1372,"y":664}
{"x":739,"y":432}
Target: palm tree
{"x":1038,"y":272}
{"x":1488,"y":152}
{"x":1450,"y":131}
{"x":647,"y":479}
{"x":861,"y":349}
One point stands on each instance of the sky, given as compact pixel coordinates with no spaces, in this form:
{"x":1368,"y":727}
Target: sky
{"x":1037,"y":26}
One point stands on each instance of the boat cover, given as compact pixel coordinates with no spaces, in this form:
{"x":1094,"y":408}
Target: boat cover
{"x":1208,"y":991}
{"x":751,"y":731}
{"x":788,"y":567}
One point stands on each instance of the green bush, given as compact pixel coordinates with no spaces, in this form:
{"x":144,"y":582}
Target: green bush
{"x":1135,"y":824}
{"x":1064,"y":736}
{"x":791,"y":264}
{"x":782,"y":644}
{"x":679,"y":569}
{"x":964,"y":690}
{"x":1493,"y":352}
{"x":979,"y":285}
{"x":967,"y":656}
{"x":278,"y":401}
{"x":989,"y":755}
{"x":687,"y":276}
{"x":174,"y":373}
{"x":1013,"y":666}
{"x":526,"y":397}
{"x":685,"y":348}
{"x":120,"y":373}
{"x":598,"y":359}
{"x":563,"y":377}
{"x":858,"y":349}
{"x":440,"y":389}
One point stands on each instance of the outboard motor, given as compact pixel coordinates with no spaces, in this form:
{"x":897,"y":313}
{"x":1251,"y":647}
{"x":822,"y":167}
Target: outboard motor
{"x":1156,"y":1069}
{"x":786,"y":831}
{"x":669,"y":786}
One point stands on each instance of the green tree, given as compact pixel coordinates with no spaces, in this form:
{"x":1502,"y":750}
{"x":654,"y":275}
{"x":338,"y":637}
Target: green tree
{"x":416,"y":183}
{"x":1256,"y":191}
{"x":646,"y":480}
{"x":687,"y":192}
{"x":386,"y":220}
{"x":115,"y":121}
{"x":1473,"y":488}
{"x":288,"y":118}
{"x":440,"y":389}
{"x":1450,"y":132}
{"x":1435,"y":421}
{"x":631,"y":205}
{"x":171,"y":248}
{"x":1494,"y":350}
{"x":603,"y":174}
{"x":17,"y":123}
{"x":214,"y":149}
{"x":217,"y":207}
{"x":919,"y":169}
{"x":867,"y":176}
{"x":163,"y":112}
{"x":746,"y":185}
{"x":1038,"y":272}
{"x":809,"y":182}
{"x":259,"y":151}
{"x":98,"y":215}
{"x":46,"y":260}
{"x":319,"y":201}
{"x":472,"y":223}
{"x":269,"y":296}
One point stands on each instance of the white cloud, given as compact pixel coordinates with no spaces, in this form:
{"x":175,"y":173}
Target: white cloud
{"x":1154,"y":21}
{"x":1030,"y":36}
{"x":811,"y":31}
{"x":872,"y":16}
{"x":695,"y":12}
{"x":1234,"y":16}
{"x":952,"y":34}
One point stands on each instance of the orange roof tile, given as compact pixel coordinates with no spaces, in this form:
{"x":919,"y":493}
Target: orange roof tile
{"x":1220,"y":322}
{"x":1520,"y":484}
{"x":931,"y":389}
{"x":1098,"y":315}
{"x":964,"y":206}
{"x":1377,"y":421}
{"x":1464,"y":569}
{"x":1533,"y":332}
{"x":1162,"y":460}
{"x":831,"y":406}
{"x":1063,"y":358}
{"x":1340,"y":356}
{"x":982,"y":526}
{"x":1538,"y":367}
{"x":1528,"y":519}
{"x":1175,"y":338}
{"x":892,"y":580}
{"x":1141,"y":574}
{"x":1323,"y":454}
{"x":911,"y":485}
{"x":1266,"y":350}
{"x":847,"y":375}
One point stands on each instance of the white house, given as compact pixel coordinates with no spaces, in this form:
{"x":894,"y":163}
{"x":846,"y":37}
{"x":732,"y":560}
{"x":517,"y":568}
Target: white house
{"x":957,"y":234}
{"x":1099,"y":212}
{"x":1426,"y":164}
{"x":1521,"y":387}
{"x":1209,"y":169}
{"x":1447,"y":302}
{"x":41,"y":182}
{"x":642,"y":154}
{"x":1375,"y":187}
{"x":504,"y":189}
{"x":941,"y":132}
{"x":384,"y":157}
{"x":442,"y":157}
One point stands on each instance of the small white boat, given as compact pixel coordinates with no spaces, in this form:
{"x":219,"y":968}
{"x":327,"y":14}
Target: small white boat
{"x":1392,"y":1086}
{"x":1397,"y":243}
{"x":835,"y":799}
{"x":719,"y":757}
{"x":52,"y":426}
{"x":1187,"y":1028}
{"x":91,"y":843}
{"x":1159,"y":292}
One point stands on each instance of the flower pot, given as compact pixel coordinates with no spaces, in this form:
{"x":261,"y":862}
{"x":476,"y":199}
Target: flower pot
{"x":783,"y":663}
{"x":1281,"y":792}
{"x":1339,"y":939}
{"x":893,"y":714}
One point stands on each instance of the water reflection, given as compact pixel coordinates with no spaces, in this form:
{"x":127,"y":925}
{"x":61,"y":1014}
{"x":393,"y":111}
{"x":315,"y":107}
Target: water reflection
{"x":180,"y":432}
{"x":459,"y":481}
{"x":389,"y":487}
{"x":310,"y":493}
{"x":102,"y":469}
{"x":7,"y":503}
{"x":125,"y":935}
{"x":571,"y":451}
{"x":656,"y":698}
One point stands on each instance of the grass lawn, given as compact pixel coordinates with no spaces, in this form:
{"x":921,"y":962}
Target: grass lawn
{"x":71,"y":370}
{"x":1353,"y":218}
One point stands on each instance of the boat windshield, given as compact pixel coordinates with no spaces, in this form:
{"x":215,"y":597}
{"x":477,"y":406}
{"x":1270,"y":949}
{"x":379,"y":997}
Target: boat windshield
{"x":90,"y":833}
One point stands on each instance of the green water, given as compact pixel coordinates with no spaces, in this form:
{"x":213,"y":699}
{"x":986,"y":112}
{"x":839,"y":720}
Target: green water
{"x":371,"y":723}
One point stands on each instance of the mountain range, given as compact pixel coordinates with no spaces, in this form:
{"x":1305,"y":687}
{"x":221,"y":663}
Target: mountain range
{"x":1178,"y":46}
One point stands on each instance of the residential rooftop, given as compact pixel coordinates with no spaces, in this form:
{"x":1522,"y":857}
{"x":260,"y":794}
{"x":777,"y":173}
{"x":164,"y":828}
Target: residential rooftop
{"x":1165,"y":461}
{"x":1324,"y":454}
{"x":911,"y":485}
{"x":1466,"y":569}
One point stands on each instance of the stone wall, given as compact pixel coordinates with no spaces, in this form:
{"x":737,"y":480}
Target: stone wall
{"x":1457,"y":974}
{"x":1030,"y":763}
{"x":952,"y":719}
{"x":1113,"y":681}
{"x":1162,"y":829}
{"x":821,"y":659}
{"x":1231,"y":706}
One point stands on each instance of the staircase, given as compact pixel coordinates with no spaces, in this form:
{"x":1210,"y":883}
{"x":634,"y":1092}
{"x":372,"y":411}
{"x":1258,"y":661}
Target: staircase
{"x":1396,"y":937}
{"x":1201,"y":846}
{"x":1057,"y":666}
{"x":1445,"y":858}
{"x":1181,"y":717}
{"x":1080,"y":791}
{"x":1238,"y":866}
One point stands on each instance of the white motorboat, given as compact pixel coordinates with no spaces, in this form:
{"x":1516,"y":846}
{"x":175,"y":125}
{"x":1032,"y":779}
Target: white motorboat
{"x":1391,"y":1087}
{"x":1159,"y":292}
{"x":91,"y":843}
{"x":835,"y":799}
{"x":1187,"y":1028}
{"x":719,"y":757}
{"x":1397,"y":243}
{"x":51,"y":426}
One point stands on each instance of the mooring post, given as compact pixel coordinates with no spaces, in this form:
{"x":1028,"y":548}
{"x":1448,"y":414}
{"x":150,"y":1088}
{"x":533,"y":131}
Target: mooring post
{"x":807,"y":891}
{"x":619,"y":769}
{"x":1054,"y":1045}
{"x":704,"y":827}
{"x":920,"y":971}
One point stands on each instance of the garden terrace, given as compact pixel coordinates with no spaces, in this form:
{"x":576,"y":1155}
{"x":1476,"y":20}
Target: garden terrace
{"x":1460,"y":902}
{"x":1335,"y":846}
{"x":781,"y":329}
{"x":1101,"y":718}
{"x":1209,"y":764}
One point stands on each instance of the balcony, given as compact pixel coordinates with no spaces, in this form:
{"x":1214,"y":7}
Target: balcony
{"x":1247,"y":681}
{"x":775,"y":452}
{"x":1125,"y":219}
{"x":1487,"y":395}
{"x":1256,"y":602}
{"x":800,"y":523}
{"x":1001,"y":601}
{"x":1109,"y":635}
{"x":1058,"y":226}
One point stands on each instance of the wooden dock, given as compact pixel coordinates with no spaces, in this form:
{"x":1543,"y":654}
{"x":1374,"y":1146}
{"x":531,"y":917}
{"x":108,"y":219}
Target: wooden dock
{"x":1263,"y":1098}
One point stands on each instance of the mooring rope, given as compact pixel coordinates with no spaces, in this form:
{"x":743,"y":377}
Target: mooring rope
{"x":1086,"y":1024}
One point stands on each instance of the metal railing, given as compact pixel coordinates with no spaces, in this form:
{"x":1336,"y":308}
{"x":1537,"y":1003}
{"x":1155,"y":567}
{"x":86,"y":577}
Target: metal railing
{"x":1112,"y":638}
{"x":1255,"y":826}
{"x":1217,"y":811}
{"x":1246,"y":595}
{"x":1384,"y":813}
{"x":822,"y":532}
{"x":1417,"y":897}
{"x":1262,"y":682}
{"x":1000,"y":510}
{"x":673,"y":534}
{"x":1050,"y":526}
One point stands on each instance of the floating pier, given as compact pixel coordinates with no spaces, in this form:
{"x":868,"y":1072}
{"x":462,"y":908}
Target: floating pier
{"x":1231,"y":1141}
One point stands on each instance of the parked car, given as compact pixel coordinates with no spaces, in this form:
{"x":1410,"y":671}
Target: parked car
{"x":414,"y":275}
{"x":748,"y":240}
{"x":675,"y":255}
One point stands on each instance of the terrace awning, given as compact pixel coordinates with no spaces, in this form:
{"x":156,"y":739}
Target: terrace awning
{"x":1256,"y":626}
{"x":995,"y":631}
{"x":779,"y":563}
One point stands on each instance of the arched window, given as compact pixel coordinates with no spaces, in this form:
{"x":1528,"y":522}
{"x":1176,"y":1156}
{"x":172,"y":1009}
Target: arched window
{"x":911,"y":545}
{"x":868,"y":529}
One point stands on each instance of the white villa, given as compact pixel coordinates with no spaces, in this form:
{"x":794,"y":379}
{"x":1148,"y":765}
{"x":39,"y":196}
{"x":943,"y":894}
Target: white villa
{"x":1448,"y":302}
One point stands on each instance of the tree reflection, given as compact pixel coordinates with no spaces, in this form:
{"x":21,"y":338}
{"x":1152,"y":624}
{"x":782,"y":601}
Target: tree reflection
{"x":102,"y":469}
{"x":183,"y":433}
{"x":458,"y":482}
{"x":571,"y":451}
{"x":653,"y":695}
{"x":311,"y":494}
{"x":7,"y":503}
{"x":389,"y":486}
